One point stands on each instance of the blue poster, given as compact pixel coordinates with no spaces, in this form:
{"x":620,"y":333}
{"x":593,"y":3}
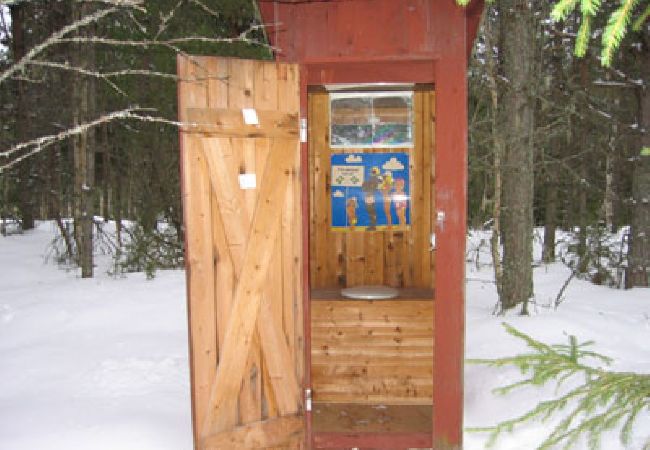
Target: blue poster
{"x":370,"y":192}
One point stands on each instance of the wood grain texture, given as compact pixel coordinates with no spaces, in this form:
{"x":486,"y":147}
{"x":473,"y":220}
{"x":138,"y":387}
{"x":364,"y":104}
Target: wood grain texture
{"x":226,"y":294}
{"x":258,"y":435}
{"x":247,"y":298}
{"x":228,"y":122}
{"x":197,"y":208}
{"x":393,"y":258}
{"x":372,"y":352}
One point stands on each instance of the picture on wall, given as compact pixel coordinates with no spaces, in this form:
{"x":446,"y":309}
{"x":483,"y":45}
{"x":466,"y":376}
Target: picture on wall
{"x":370,"y":192}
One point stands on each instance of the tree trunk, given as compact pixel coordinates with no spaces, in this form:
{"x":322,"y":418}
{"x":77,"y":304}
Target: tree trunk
{"x":83,"y":148}
{"x":583,"y":256}
{"x":24,"y":181}
{"x":639,"y":245}
{"x":553,"y":151}
{"x":550,"y":219}
{"x":492,"y":65}
{"x":517,"y":120}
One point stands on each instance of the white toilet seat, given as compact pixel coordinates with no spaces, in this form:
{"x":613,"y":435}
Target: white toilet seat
{"x":370,"y":292}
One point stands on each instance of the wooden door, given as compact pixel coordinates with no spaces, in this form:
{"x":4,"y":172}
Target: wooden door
{"x":243,"y":250}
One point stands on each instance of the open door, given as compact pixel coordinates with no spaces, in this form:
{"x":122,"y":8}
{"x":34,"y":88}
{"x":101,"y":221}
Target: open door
{"x":242,"y":211}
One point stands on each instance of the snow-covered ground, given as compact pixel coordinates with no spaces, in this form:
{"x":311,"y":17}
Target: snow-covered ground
{"x":102,"y":363}
{"x":94,"y":364}
{"x":617,"y":320}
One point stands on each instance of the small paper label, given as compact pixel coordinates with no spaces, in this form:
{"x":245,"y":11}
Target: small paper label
{"x":247,"y":181}
{"x":250,"y":116}
{"x":303,"y":130}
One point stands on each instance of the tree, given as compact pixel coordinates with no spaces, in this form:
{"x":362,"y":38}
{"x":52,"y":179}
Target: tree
{"x":83,"y":144}
{"x":516,"y":118}
{"x":111,"y":145}
{"x":639,"y":245}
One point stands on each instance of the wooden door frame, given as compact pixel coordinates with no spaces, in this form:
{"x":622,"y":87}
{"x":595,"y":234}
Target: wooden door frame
{"x":450,"y":156}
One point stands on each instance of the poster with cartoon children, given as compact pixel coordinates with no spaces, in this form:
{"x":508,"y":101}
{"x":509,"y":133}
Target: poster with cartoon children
{"x":370,"y":192}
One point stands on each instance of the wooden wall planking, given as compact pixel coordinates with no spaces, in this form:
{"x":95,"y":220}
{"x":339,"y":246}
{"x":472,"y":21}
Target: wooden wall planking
{"x":226,"y":84}
{"x":397,"y":258}
{"x":372,"y":352}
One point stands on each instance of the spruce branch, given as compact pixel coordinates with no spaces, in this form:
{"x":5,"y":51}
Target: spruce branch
{"x":584,"y":34}
{"x":638,"y":23}
{"x":562,"y":9}
{"x":589,"y":7}
{"x":616,"y":29}
{"x":618,"y":23}
{"x":604,"y":400}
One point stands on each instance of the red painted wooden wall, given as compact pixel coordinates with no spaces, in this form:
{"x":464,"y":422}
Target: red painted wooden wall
{"x":422,"y":41}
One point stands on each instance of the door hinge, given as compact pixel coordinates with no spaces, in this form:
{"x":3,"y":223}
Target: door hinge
{"x":307,"y":399}
{"x":303,"y":130}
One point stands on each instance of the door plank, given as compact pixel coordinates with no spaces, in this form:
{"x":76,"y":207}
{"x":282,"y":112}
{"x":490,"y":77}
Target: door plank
{"x":232,"y":204}
{"x":276,"y":352}
{"x":246,"y":303}
{"x":258,"y":435}
{"x":200,"y":270}
{"x":230,"y":123}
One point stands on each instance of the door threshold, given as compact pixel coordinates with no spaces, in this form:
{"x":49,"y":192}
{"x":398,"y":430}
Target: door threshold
{"x":377,"y":440}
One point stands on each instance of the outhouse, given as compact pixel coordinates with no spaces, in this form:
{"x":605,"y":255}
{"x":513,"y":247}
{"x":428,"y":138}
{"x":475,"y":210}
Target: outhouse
{"x":324,"y":203}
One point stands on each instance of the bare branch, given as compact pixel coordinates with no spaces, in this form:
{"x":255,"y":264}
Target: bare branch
{"x":243,"y":38}
{"x":205,"y":8}
{"x":57,"y":36}
{"x":55,"y":65}
{"x":35,"y":146}
{"x":165,"y":19}
{"x":120,"y":73}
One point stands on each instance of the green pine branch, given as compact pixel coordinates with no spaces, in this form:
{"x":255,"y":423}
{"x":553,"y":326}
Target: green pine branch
{"x":603,"y":401}
{"x":619,"y":22}
{"x":639,"y":21}
{"x":616,"y":29}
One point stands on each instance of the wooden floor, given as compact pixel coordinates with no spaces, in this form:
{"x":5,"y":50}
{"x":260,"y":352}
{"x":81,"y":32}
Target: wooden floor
{"x":355,"y":418}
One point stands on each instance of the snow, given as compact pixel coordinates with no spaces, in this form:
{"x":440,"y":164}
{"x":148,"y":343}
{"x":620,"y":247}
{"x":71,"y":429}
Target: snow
{"x":89,"y":363}
{"x":102,"y":363}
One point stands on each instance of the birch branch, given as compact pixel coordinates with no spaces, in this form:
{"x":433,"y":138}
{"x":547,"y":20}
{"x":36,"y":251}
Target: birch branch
{"x":37,"y":145}
{"x":145,"y":43}
{"x":34,"y":146}
{"x":59,"y":35}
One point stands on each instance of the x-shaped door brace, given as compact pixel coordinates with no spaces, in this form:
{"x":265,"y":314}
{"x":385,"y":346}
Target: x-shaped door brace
{"x":251,"y":243}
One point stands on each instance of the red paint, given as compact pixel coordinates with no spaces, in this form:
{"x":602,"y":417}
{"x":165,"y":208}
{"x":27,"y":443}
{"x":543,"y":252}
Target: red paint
{"x":387,"y":441}
{"x":362,"y":30}
{"x":407,"y":71}
{"x":406,"y":41}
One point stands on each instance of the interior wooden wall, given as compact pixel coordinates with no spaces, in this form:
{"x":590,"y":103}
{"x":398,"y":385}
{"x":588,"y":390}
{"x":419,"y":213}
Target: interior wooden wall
{"x":397,"y":258}
{"x":221,"y":84}
{"x":372,"y":352}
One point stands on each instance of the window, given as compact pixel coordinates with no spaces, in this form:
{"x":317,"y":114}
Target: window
{"x":371,"y":119}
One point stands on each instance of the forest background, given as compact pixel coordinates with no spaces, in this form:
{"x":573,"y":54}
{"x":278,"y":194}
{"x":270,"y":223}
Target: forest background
{"x":89,"y":129}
